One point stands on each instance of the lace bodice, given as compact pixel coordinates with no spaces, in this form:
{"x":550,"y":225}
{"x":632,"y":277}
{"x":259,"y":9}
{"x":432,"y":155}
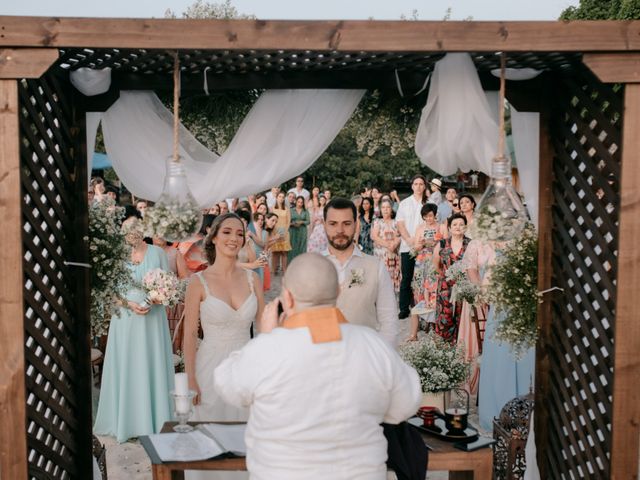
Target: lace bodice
{"x":224,"y":327}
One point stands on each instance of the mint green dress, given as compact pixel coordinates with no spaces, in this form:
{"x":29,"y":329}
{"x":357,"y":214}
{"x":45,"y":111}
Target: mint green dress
{"x":298,"y":235}
{"x":138,"y":365}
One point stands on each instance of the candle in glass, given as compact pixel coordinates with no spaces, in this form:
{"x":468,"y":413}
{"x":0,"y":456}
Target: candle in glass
{"x":183,"y":403}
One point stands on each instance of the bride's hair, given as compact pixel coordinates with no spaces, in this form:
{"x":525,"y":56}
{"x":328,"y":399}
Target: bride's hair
{"x":209,"y":246}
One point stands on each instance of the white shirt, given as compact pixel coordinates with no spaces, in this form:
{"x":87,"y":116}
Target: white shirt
{"x":386,"y":306}
{"x":271,"y":200}
{"x":304,"y":192}
{"x":409,"y":214}
{"x":316,"y":409}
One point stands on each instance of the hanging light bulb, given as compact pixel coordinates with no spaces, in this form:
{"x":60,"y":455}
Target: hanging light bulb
{"x":500,"y":216}
{"x":176,"y":215}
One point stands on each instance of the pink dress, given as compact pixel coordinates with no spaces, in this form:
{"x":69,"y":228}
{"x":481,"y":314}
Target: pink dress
{"x":478,"y":256}
{"x":318,"y":237}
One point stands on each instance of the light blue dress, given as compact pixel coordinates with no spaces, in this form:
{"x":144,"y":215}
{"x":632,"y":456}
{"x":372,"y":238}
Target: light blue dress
{"x":502,"y":377}
{"x":138,"y":366}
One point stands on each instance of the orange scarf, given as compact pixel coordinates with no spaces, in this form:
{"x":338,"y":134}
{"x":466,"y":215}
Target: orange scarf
{"x":323,"y":323}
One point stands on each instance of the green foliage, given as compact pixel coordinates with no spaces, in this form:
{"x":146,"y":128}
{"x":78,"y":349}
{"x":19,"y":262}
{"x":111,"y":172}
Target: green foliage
{"x":603,"y":10}
{"x":201,"y":9}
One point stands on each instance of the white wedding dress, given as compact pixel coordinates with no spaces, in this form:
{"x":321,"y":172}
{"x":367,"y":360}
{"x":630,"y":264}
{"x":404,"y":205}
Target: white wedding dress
{"x":225,"y":330}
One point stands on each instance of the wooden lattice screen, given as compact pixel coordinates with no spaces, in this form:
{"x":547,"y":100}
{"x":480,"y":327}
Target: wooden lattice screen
{"x":586,"y":135}
{"x":53,"y":179}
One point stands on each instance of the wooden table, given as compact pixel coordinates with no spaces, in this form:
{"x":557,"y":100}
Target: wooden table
{"x":461,"y":465}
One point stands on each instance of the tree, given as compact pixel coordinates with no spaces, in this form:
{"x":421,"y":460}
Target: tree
{"x":603,"y":10}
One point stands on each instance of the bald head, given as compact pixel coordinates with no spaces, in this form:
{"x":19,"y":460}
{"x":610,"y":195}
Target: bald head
{"x":312,"y":281}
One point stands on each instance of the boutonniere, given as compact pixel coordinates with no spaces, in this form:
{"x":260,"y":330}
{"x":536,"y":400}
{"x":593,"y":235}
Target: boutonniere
{"x":357,"y":277}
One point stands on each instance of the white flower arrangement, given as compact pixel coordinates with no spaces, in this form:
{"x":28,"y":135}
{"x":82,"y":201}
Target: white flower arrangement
{"x":109,"y":254}
{"x":162,"y":287}
{"x":513,"y":292}
{"x":463,"y":288}
{"x":357,"y":277}
{"x":441,"y":366}
{"x":173,"y":222}
{"x":490,"y":225}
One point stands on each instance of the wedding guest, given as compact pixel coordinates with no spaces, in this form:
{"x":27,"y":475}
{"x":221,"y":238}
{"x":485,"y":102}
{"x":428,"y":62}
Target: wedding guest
{"x":258,"y":236}
{"x":141,"y":206}
{"x":214,"y":210}
{"x":313,"y":200}
{"x":424,"y":286}
{"x":447,"y":252}
{"x":317,"y":387}
{"x":298,"y":229}
{"x":271,"y":197}
{"x":223,"y":207}
{"x":247,"y":257}
{"x":327,"y":195}
{"x":281,"y":248}
{"x":318,"y":237}
{"x":365,"y":221}
{"x":445,"y":209}
{"x":366,"y":294}
{"x":113,"y":194}
{"x":409,"y":218}
{"x":262,"y":209}
{"x":467,"y":206}
{"x":138,"y":365}
{"x":435,"y":196}
{"x":376,"y":196}
{"x":191,"y":258}
{"x":91,"y":194}
{"x":386,"y":241}
{"x":299,"y":190}
{"x":291,"y":200}
{"x":99,"y":188}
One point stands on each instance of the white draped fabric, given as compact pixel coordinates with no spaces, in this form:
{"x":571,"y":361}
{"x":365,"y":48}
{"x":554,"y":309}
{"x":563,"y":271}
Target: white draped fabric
{"x":532,"y":472}
{"x":283,"y":134}
{"x":456,"y":130}
{"x":91,"y":82}
{"x":526,"y":140}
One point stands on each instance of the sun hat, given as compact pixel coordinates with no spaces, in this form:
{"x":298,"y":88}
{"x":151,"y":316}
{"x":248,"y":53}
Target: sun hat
{"x":437,"y":182}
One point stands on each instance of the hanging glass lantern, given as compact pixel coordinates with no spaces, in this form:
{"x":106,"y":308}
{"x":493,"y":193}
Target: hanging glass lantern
{"x":176,"y":215}
{"x":500,"y":216}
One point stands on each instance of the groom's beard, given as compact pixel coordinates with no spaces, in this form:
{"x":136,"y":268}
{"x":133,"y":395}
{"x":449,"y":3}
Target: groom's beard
{"x":340,"y":242}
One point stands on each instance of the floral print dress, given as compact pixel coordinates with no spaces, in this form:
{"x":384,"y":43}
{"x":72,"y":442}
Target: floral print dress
{"x":389,"y":231}
{"x":425,"y":282}
{"x":447,"y":313}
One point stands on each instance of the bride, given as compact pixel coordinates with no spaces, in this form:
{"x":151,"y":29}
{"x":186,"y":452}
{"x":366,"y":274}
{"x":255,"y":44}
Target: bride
{"x":225,"y":299}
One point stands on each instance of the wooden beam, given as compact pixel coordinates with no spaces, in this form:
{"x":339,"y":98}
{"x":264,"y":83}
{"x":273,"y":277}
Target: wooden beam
{"x":545,"y":273}
{"x":614,"y":67}
{"x":13,"y":434}
{"x":626,"y":408}
{"x":26,"y":62}
{"x":321,"y":35}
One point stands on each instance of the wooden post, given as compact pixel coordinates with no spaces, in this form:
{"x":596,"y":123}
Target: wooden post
{"x":626,"y":408}
{"x":545,"y":271}
{"x":13,"y":442}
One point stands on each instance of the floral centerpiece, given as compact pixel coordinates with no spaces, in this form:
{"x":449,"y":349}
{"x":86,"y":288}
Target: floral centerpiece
{"x":513,"y":292}
{"x":490,"y":225}
{"x":162,"y":287}
{"x":110,"y":277}
{"x":441,"y":365}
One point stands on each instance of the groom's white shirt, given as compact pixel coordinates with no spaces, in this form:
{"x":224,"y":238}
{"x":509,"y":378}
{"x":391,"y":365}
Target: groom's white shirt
{"x":316,"y":409}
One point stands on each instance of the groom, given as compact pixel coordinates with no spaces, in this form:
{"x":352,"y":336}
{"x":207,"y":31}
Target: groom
{"x":318,"y":387}
{"x":366,"y":292}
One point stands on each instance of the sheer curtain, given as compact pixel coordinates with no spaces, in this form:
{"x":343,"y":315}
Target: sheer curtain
{"x":457,"y":129}
{"x":283,"y":134}
{"x":526,"y":140}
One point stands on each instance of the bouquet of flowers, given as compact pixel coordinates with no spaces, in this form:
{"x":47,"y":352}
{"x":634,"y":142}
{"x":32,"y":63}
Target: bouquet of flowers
{"x":441,"y":365}
{"x":162,"y":287}
{"x":513,"y":291}
{"x":489,"y":224}
{"x":108,"y":253}
{"x":173,"y":222}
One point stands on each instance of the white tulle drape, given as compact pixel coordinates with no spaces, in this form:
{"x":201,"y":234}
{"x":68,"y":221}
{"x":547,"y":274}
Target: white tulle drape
{"x":283,"y":134}
{"x":456,"y":130}
{"x":526,"y":140}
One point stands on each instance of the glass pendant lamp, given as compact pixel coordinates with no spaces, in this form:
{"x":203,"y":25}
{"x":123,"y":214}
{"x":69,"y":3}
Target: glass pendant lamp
{"x":501,"y":216}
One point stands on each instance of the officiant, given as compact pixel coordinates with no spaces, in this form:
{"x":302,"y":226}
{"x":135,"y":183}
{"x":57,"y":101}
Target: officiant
{"x":318,"y":387}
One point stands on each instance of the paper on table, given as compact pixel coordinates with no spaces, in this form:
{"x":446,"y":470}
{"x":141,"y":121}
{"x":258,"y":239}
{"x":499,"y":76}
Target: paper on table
{"x":230,"y":437}
{"x":185,"y":447}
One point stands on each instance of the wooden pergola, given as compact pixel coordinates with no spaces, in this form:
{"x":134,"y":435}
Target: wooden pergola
{"x":588,"y":357}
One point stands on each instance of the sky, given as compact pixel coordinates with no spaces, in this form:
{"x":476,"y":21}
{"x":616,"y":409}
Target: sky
{"x":303,"y":9}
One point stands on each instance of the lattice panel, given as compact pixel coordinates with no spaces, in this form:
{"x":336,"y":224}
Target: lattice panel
{"x":57,"y":422}
{"x":587,"y":137}
{"x":221,"y":62}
